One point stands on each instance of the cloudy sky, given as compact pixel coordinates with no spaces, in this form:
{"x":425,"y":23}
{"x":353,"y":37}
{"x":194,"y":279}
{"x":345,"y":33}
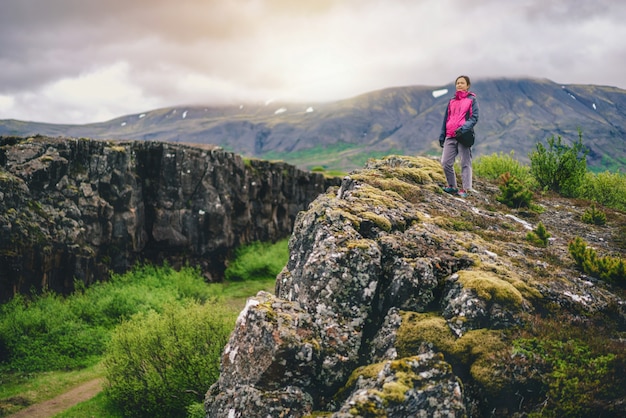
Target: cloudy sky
{"x":80,"y":61}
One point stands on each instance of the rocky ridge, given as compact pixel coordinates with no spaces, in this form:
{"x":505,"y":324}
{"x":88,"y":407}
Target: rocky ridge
{"x":79,"y":209}
{"x":515,"y":115}
{"x":399,"y":300}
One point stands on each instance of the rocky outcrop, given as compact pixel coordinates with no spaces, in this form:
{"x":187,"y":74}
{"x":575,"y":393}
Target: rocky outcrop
{"x":78,"y":208}
{"x":401,"y":301}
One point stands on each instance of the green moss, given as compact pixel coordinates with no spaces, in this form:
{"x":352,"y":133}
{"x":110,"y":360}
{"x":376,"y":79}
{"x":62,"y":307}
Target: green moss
{"x":362,"y":244}
{"x":393,"y":391}
{"x":339,"y":214}
{"x":406,"y":190}
{"x":8,"y":179}
{"x":461,"y":225}
{"x":477,"y":348}
{"x":417,"y":329}
{"x":270,"y":314}
{"x":369,"y":204}
{"x":527,"y":291}
{"x":379,"y":220}
{"x":418,"y":170}
{"x":366,"y":195}
{"x":474,"y":351}
{"x":491,"y":288}
{"x":367,"y":408}
{"x":369,"y":371}
{"x":405,"y":176}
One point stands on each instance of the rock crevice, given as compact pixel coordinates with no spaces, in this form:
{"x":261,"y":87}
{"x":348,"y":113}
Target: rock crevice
{"x":79,"y":209}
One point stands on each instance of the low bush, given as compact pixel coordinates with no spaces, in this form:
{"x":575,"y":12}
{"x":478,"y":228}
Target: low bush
{"x":559,"y":167}
{"x":576,"y":375}
{"x":608,"y":189}
{"x":539,"y":236}
{"x":593,"y":216}
{"x":610,"y":269}
{"x":51,"y":332}
{"x":157,"y":365}
{"x":43,"y":333}
{"x":513,"y":193}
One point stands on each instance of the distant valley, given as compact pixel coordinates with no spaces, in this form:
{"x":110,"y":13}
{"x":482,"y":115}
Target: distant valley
{"x":515,"y":115}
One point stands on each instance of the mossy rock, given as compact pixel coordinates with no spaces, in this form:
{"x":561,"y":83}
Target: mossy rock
{"x":472,"y":353}
{"x":404,"y":175}
{"x":491,"y":288}
{"x":419,"y":329}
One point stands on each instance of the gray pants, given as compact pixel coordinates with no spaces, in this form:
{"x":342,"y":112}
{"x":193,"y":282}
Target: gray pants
{"x":452,"y":148}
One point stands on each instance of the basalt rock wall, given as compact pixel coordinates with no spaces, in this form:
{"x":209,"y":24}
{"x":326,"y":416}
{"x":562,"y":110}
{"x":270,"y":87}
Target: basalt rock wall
{"x":77,"y":209}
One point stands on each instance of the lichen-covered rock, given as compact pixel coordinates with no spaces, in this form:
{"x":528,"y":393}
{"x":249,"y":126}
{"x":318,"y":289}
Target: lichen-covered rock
{"x":274,"y":342}
{"x":480,"y":299}
{"x":399,"y":300}
{"x":417,"y":386}
{"x":246,"y":401}
{"x":271,"y":364}
{"x":354,"y":254}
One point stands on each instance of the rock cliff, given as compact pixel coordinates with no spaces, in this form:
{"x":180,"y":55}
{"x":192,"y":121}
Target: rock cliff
{"x":401,"y":301}
{"x":78,"y":208}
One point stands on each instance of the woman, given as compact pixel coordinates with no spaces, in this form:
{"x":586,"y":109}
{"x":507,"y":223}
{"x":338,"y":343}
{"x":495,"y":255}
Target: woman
{"x":460,"y":117}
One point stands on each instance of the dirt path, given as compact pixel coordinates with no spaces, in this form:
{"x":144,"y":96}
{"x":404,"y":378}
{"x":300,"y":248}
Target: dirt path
{"x":62,"y":402}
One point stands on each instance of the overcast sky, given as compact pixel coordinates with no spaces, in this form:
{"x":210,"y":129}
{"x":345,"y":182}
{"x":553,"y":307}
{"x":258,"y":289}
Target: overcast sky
{"x":80,"y":61}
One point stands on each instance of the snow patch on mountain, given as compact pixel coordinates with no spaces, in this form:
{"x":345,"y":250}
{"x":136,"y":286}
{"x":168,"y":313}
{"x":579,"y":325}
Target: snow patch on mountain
{"x":439,"y":93}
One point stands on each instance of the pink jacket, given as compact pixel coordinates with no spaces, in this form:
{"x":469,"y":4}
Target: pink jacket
{"x":461,"y":113}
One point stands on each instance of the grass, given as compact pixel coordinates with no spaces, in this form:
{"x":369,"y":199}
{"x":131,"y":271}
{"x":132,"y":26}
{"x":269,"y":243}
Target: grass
{"x":103,"y":307}
{"x":333,"y":159}
{"x":98,"y":406}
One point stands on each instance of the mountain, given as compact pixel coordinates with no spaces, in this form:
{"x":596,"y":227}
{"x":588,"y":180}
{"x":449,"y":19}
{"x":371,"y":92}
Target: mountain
{"x":515,"y":115}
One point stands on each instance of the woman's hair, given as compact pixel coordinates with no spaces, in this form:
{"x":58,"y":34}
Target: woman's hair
{"x":466,"y":79}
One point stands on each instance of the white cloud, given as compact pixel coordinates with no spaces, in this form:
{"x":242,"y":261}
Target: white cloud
{"x":90,"y":61}
{"x":6,"y":103}
{"x":95,"y":96}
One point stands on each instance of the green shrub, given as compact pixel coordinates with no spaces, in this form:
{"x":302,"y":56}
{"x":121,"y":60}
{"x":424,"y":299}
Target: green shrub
{"x":196,"y":410}
{"x":51,"y":332}
{"x":513,"y":193}
{"x":43,"y":333}
{"x":495,"y":165}
{"x":576,"y":375}
{"x":610,"y":269}
{"x":593,"y":216}
{"x":608,"y":189}
{"x":559,"y":168}
{"x":159,"y":364}
{"x":539,"y":236}
{"x":258,"y":261}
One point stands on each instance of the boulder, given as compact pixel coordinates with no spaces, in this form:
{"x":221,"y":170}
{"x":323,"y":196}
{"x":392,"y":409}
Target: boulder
{"x":397,"y":300}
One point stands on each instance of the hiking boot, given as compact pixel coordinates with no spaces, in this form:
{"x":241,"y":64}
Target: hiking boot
{"x":451,"y":190}
{"x":462,"y":193}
